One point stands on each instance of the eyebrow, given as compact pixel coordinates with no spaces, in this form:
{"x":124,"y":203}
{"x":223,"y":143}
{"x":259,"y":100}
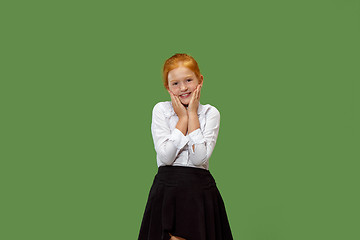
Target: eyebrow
{"x":188,"y":76}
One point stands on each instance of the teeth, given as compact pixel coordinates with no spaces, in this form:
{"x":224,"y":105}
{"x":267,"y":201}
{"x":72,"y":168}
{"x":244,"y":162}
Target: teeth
{"x":185,"y":95}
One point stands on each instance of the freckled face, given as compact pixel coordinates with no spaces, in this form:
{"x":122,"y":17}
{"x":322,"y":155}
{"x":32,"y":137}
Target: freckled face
{"x":183,"y":82}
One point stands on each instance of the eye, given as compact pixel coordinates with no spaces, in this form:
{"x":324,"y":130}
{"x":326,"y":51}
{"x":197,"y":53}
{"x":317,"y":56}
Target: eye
{"x":175,"y":83}
{"x":189,"y":80}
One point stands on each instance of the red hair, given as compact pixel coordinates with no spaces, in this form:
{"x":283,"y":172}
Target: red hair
{"x":177,"y":60}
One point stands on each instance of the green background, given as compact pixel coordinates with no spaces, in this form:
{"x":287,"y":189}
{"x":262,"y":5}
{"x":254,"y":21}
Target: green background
{"x":79,"y":80}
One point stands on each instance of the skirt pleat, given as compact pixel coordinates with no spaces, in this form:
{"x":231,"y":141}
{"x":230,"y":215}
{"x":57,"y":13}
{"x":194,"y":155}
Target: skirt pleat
{"x":185,"y":202}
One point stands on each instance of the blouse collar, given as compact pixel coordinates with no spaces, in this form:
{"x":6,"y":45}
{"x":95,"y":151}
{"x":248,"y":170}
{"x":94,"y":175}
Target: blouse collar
{"x":201,"y":109}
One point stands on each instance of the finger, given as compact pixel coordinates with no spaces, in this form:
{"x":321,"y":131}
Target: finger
{"x":170,"y":93}
{"x":171,"y":96}
{"x":193,"y":97}
{"x":199,"y":91}
{"x":177,"y":100}
{"x":174,"y":97}
{"x":174,"y":100}
{"x":196,"y":92}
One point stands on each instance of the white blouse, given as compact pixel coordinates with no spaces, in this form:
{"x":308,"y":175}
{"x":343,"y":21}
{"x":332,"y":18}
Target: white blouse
{"x":173,"y":148}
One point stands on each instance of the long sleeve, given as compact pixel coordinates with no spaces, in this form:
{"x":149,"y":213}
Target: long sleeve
{"x":167,"y":143}
{"x":204,"y":140}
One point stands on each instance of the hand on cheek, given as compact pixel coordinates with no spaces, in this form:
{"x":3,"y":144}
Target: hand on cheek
{"x":179,"y":109}
{"x":194,"y":102}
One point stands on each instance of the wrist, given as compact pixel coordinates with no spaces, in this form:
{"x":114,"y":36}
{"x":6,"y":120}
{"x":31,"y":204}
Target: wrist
{"x":193,"y":114}
{"x":183,"y":118}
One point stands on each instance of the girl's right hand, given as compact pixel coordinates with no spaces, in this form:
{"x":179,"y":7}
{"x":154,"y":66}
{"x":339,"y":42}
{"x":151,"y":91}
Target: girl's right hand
{"x":179,"y":109}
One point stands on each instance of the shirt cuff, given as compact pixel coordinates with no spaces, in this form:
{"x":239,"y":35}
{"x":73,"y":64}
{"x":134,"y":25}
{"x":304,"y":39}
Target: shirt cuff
{"x":196,"y":137}
{"x":178,"y":138}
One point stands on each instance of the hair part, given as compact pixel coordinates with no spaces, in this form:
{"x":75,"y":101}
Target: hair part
{"x":177,"y":60}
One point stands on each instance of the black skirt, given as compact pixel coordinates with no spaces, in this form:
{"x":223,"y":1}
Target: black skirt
{"x":185,"y":202}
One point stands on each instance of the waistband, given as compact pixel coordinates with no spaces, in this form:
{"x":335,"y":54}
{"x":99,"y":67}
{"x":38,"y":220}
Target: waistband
{"x":183,"y":169}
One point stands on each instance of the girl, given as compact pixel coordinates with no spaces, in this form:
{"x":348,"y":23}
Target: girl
{"x":184,"y":201}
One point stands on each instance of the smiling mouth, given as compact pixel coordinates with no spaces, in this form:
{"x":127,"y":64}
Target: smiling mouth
{"x":185,"y":95}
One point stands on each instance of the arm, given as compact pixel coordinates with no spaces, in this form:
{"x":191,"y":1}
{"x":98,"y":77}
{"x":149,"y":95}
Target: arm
{"x":193,"y":124}
{"x":182,"y":125}
{"x":192,"y":111}
{"x":203,"y":141}
{"x":167,"y":144}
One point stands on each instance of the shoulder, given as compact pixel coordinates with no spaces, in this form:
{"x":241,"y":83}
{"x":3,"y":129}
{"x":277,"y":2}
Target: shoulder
{"x":164,"y":108}
{"x":209,"y":110}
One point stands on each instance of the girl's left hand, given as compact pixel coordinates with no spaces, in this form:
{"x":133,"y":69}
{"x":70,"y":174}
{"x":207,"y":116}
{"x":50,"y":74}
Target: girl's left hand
{"x":195,"y":99}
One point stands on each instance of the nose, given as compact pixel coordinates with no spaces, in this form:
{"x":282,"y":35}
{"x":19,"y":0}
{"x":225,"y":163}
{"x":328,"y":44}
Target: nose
{"x":183,"y":87}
